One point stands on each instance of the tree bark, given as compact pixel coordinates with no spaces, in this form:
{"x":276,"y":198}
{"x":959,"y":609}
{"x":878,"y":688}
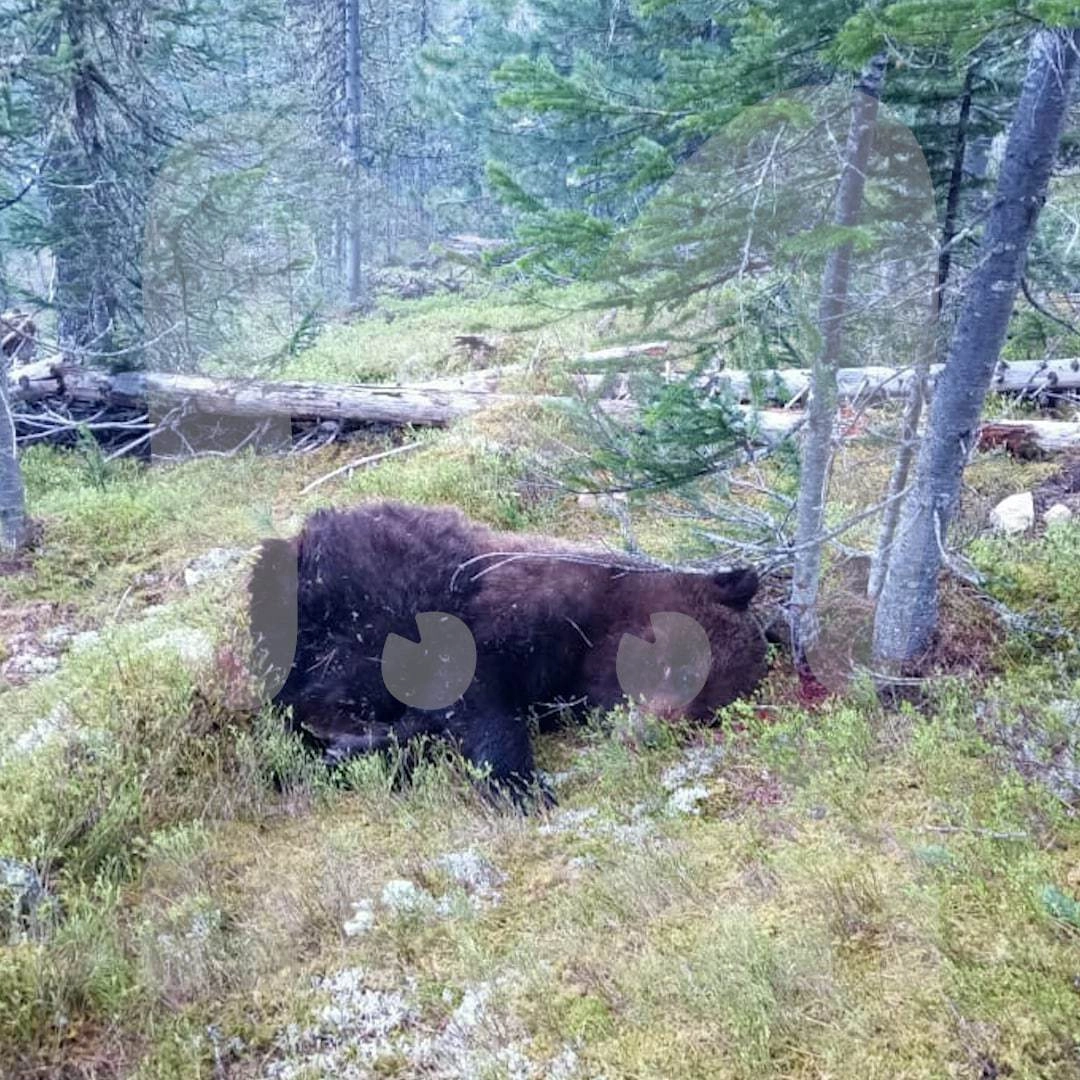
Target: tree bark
{"x":418,"y":405}
{"x":898,"y":479}
{"x":12,"y":495}
{"x":816,"y":450}
{"x":916,"y":396}
{"x":907,"y":610}
{"x":1029,"y":377}
{"x":355,"y":227}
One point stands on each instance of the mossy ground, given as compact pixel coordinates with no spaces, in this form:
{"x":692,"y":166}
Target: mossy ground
{"x":855,"y":892}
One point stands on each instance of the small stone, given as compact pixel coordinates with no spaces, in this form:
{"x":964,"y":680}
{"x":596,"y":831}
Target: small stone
{"x":1014,"y":515}
{"x":27,"y":910}
{"x":1058,"y":514}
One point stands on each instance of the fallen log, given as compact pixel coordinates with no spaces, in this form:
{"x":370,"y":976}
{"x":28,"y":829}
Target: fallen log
{"x":166,"y":393}
{"x":417,"y":405}
{"x":374,"y":404}
{"x":1030,"y":378}
{"x":1029,"y":438}
{"x":650,"y":349}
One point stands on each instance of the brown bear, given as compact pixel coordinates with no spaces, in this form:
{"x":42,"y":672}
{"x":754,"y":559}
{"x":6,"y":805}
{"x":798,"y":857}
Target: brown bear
{"x":524,"y":625}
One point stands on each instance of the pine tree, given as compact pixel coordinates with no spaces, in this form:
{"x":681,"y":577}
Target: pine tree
{"x":95,"y":98}
{"x":908,"y":607}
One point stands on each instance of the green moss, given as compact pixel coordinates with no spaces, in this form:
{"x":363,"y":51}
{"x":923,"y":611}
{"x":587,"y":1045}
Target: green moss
{"x":861,"y":893}
{"x":1037,"y":574}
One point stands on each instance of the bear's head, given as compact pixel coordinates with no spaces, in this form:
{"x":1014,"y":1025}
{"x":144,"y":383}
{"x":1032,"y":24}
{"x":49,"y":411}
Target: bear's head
{"x":684,"y":644}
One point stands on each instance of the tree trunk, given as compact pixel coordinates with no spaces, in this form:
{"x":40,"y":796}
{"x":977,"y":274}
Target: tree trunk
{"x":355,"y":226}
{"x":816,"y":453}
{"x":12,"y":496}
{"x":956,"y":178}
{"x":901,"y":471}
{"x":80,"y":214}
{"x":1031,"y":378}
{"x":916,"y":396}
{"x":418,"y":405}
{"x":907,"y":610}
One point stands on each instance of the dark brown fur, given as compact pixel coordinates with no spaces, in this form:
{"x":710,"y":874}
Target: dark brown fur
{"x":547,"y":619}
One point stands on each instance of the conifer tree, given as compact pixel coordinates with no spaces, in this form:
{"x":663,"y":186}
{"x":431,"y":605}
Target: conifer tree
{"x":908,"y":607}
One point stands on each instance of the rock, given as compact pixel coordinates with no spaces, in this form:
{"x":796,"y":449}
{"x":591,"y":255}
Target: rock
{"x":362,"y":920}
{"x":27,"y":909}
{"x":211,"y":564}
{"x":1013,"y":515}
{"x":1057,"y":514}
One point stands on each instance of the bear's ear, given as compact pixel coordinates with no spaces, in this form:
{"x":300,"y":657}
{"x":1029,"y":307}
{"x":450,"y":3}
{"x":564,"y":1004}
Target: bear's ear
{"x":737,"y":587}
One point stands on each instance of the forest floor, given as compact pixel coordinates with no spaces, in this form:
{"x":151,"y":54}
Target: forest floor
{"x":818,"y":887}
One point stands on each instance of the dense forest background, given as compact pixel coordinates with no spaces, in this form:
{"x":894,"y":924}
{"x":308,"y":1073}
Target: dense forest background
{"x":180,"y":178}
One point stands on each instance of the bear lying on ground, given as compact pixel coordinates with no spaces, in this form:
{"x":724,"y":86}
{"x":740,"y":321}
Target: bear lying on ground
{"x":546,"y":623}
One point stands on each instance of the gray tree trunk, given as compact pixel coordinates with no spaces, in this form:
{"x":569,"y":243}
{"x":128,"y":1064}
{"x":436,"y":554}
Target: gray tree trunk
{"x":816,"y":453}
{"x":916,"y":395}
{"x":898,"y":480}
{"x":12,"y":497}
{"x":80,"y":213}
{"x":355,"y":226}
{"x":907,"y":610}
